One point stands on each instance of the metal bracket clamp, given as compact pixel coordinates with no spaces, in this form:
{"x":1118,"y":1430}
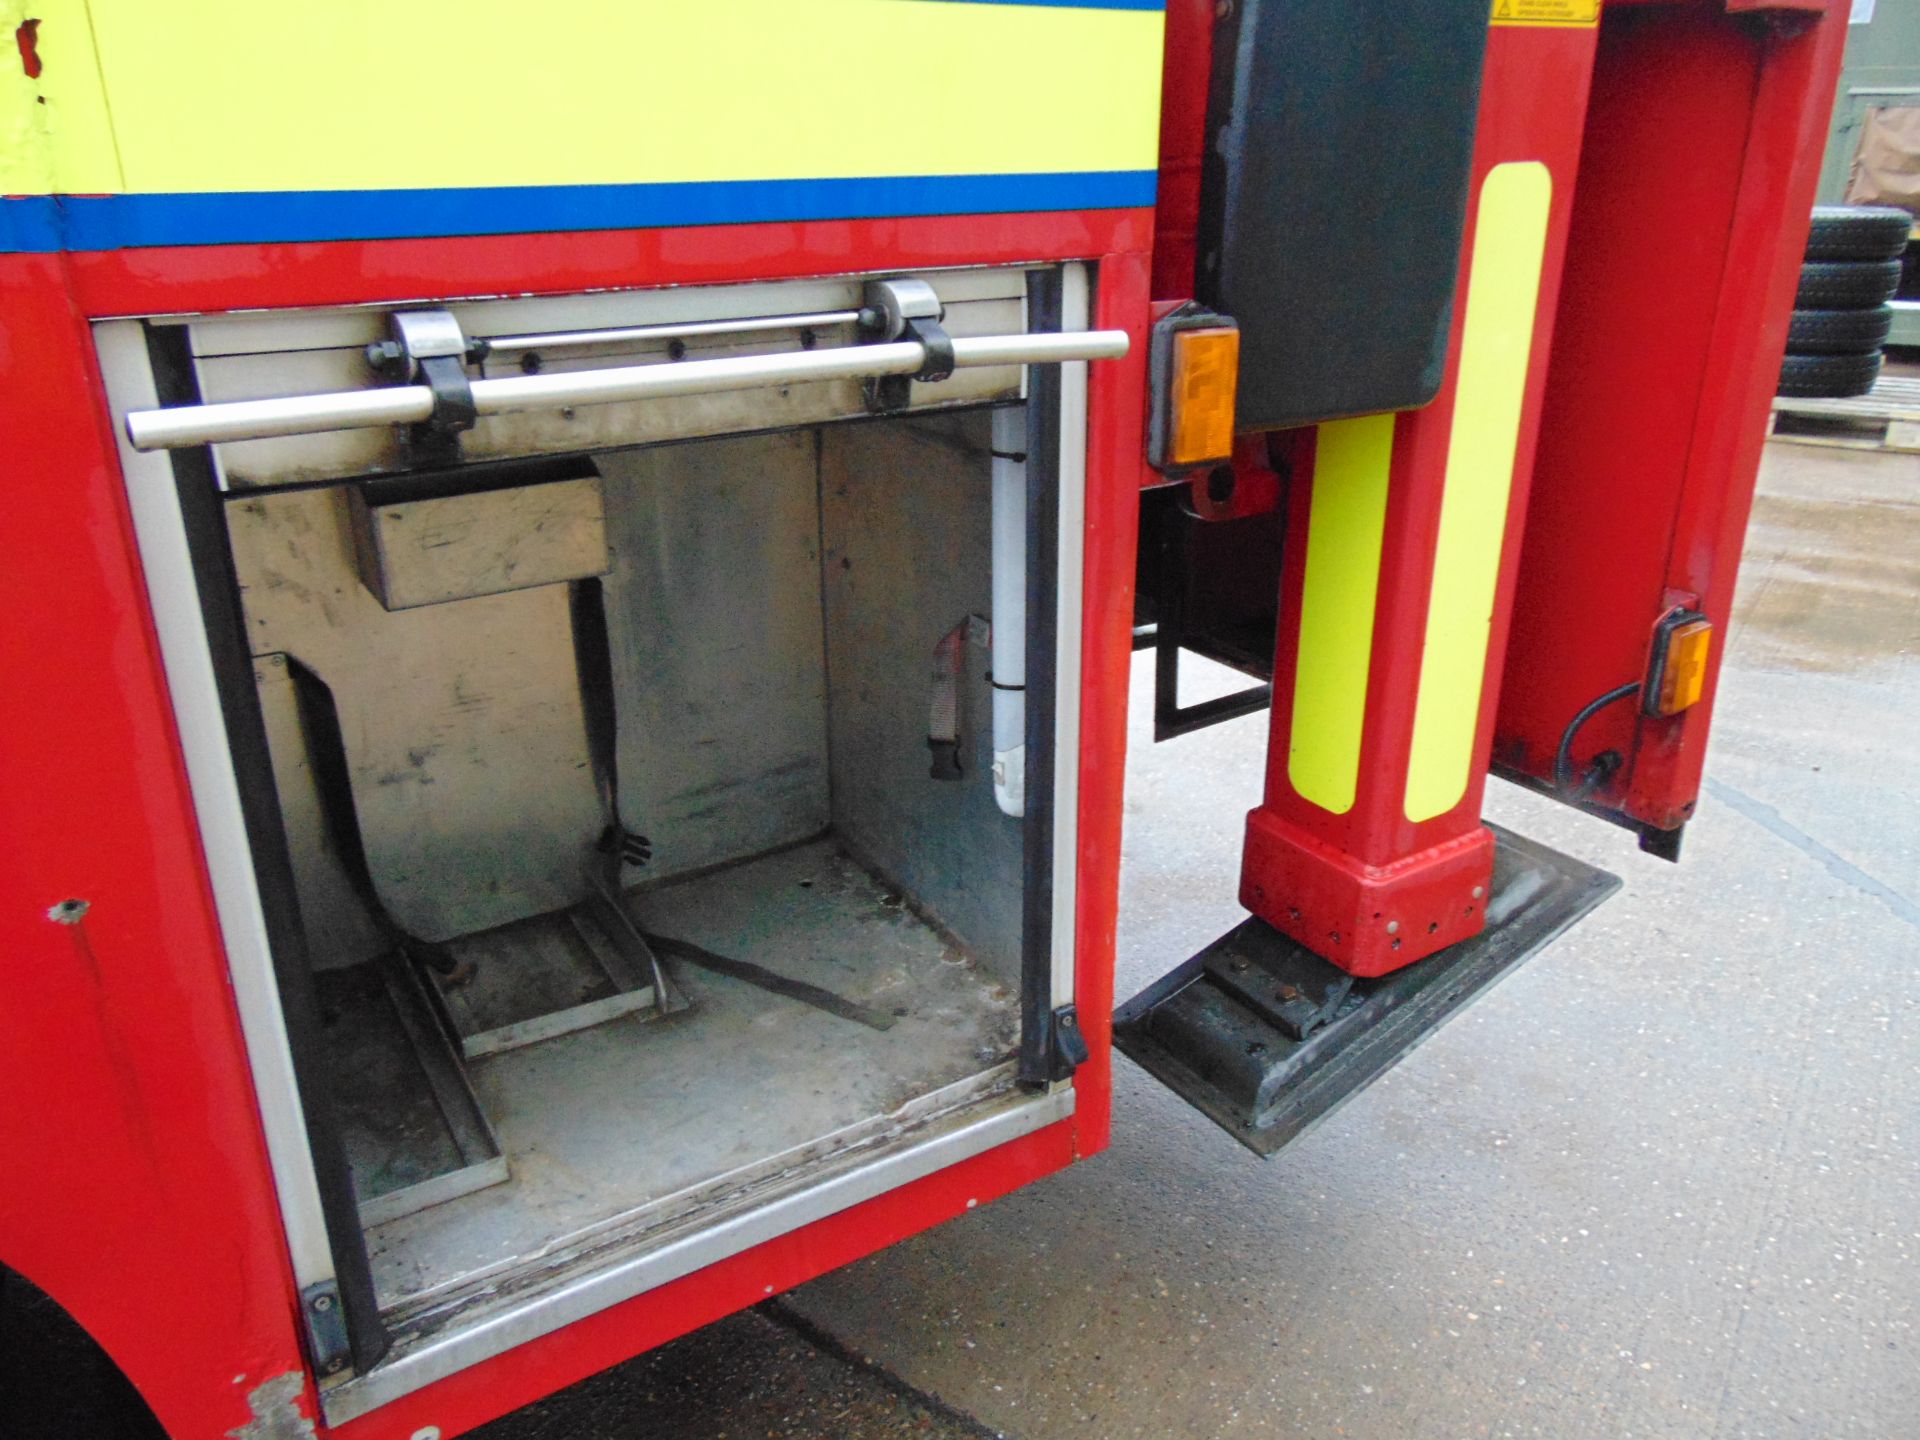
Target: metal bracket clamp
{"x":325,"y":1321}
{"x":428,"y":347}
{"x":1067,"y":1049}
{"x":905,"y":310}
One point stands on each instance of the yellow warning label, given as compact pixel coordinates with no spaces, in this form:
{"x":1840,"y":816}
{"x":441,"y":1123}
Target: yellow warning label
{"x":1546,"y":12}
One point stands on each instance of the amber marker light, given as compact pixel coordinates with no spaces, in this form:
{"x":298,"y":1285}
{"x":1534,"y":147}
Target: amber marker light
{"x":1678,"y":677}
{"x":1206,"y":370}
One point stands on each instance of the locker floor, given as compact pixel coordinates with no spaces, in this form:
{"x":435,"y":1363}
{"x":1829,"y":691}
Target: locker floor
{"x":614,"y":1131}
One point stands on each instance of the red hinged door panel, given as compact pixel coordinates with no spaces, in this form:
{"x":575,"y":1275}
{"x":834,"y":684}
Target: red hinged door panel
{"x":1702,"y":148}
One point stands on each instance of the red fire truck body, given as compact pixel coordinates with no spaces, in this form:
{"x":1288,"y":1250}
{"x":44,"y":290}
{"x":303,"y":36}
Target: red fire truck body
{"x":1630,"y":202}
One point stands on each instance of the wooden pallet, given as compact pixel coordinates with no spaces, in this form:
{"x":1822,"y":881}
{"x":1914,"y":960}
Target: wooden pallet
{"x":1887,"y":417}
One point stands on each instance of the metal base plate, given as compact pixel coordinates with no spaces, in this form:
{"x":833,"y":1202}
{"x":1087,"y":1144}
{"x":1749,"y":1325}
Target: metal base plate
{"x":414,"y":1132}
{"x":617,"y":1132}
{"x":1199,"y":1033}
{"x":550,"y":975}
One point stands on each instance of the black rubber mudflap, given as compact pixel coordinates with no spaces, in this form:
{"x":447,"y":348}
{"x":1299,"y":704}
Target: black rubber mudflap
{"x":1267,"y":1039}
{"x":1334,"y":194}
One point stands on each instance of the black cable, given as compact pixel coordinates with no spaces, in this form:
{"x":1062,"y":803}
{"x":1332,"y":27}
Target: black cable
{"x":1563,"y":757}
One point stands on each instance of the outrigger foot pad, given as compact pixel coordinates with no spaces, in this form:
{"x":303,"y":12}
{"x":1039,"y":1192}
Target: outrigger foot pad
{"x":1266,"y":1038}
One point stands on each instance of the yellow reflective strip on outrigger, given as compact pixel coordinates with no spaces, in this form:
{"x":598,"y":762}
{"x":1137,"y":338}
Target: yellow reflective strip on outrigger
{"x":1345,"y":525}
{"x":1503,"y":290}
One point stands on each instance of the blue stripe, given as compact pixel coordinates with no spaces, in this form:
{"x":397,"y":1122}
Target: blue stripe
{"x":117,"y":222}
{"x":29,"y":224}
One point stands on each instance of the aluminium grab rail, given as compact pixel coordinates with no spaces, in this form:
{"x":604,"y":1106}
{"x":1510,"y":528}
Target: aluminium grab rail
{"x":207,"y":424}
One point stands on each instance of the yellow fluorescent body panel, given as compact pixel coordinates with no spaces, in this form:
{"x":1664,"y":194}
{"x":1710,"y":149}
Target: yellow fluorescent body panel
{"x":1344,"y":527}
{"x":25,"y":168}
{"x":54,"y":130}
{"x":210,"y":95}
{"x":1503,"y":290}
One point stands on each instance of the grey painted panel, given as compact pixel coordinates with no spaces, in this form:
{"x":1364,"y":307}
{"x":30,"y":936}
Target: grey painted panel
{"x":1882,"y":67}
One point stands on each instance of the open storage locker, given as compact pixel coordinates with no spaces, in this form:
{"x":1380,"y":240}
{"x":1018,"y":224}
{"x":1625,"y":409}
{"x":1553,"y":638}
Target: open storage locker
{"x":617,"y":787}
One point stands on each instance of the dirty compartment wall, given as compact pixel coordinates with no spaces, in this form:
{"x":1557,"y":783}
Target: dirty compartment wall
{"x":906,"y":518}
{"x":461,"y":723}
{"x":772,"y":610}
{"x":719,"y":669}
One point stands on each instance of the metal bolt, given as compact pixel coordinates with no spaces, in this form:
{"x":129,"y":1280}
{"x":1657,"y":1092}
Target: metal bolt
{"x":69,"y":912}
{"x":323,"y":1303}
{"x":432,"y":1432}
{"x":1478,"y":891}
{"x":1393,"y":927}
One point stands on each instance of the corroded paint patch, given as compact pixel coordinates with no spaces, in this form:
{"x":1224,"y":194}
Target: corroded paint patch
{"x":276,"y":1411}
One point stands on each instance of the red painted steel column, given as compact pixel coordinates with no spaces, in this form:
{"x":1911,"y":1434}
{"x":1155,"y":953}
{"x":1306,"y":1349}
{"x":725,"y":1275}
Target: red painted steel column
{"x":1708,"y":131}
{"x":1368,"y":848}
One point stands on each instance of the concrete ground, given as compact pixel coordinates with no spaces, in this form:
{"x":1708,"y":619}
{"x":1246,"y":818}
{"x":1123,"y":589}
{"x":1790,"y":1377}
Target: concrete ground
{"x":1663,"y":1181}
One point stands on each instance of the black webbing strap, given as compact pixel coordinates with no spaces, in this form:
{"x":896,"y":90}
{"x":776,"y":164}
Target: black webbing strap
{"x":593,"y":663}
{"x":333,"y":783}
{"x":770,"y":980}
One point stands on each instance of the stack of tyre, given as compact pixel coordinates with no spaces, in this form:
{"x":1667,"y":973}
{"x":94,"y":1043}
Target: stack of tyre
{"x":1840,"y":315}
